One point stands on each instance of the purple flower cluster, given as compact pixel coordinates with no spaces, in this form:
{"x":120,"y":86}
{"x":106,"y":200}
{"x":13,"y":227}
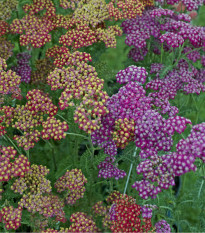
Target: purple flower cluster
{"x":161,"y":170}
{"x":162,"y":227}
{"x":190,"y":81}
{"x":189,"y":4}
{"x":153,"y":23}
{"x":137,"y":54}
{"x":172,"y":39}
{"x":132,"y":73}
{"x":132,"y":109}
{"x":146,"y":210}
{"x":191,"y":54}
{"x":107,"y":169}
{"x":194,"y":144}
{"x":23,"y":68}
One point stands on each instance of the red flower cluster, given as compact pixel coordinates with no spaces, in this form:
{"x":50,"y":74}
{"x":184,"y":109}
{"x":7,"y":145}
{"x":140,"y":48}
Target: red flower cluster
{"x":12,"y":166}
{"x":11,"y":217}
{"x":53,"y":128}
{"x":62,"y":56}
{"x":126,"y":9}
{"x":73,"y":182}
{"x":39,"y":5}
{"x":125,"y":214}
{"x":80,"y":36}
{"x":4,"y":26}
{"x":36,"y":30}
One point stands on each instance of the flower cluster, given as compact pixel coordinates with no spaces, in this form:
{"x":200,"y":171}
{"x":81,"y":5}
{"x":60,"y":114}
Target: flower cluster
{"x":80,"y":222}
{"x":23,"y":68}
{"x":87,"y":11}
{"x":62,"y":230}
{"x":99,"y":209}
{"x":132,"y":73}
{"x":11,"y":217}
{"x":162,"y":227}
{"x":39,"y":5}
{"x":4,"y":26}
{"x":43,"y":68}
{"x":65,"y":4}
{"x":37,"y":197}
{"x":152,"y":24}
{"x":6,"y":48}
{"x":179,"y":78}
{"x":27,"y":119}
{"x":108,"y":35}
{"x":62,"y":56}
{"x":125,"y":9}
{"x":9,"y":81}
{"x":6,"y":8}
{"x":124,"y":214}
{"x":73,"y":183}
{"x":161,"y":170}
{"x":53,"y":128}
{"x":12,"y":166}
{"x":33,"y":183}
{"x":193,"y":145}
{"x":36,"y":30}
{"x":146,"y":210}
{"x":81,"y":36}
{"x":81,"y":83}
{"x":108,"y":169}
{"x":172,"y":39}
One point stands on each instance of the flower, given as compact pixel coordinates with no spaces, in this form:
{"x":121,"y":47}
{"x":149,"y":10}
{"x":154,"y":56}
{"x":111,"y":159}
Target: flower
{"x":73,"y":183}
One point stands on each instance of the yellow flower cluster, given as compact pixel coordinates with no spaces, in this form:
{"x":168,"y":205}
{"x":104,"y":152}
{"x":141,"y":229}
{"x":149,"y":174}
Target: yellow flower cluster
{"x":6,"y":8}
{"x":91,"y":12}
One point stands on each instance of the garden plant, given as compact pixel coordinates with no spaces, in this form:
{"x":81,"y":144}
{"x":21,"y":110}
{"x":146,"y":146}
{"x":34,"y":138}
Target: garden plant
{"x":102,"y":116}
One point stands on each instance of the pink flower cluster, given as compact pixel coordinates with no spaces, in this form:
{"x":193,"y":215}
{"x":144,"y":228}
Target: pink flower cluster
{"x":132,"y":73}
{"x":12,"y":166}
{"x":73,"y":183}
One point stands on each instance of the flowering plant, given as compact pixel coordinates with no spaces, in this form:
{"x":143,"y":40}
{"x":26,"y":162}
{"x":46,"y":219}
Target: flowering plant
{"x":97,"y":143}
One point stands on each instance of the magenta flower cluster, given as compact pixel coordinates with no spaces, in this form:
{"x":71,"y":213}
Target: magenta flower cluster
{"x":23,"y":68}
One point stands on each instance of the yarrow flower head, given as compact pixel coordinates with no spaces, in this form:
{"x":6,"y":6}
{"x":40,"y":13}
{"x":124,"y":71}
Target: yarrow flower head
{"x":125,"y":9}
{"x":81,"y":222}
{"x":132,"y":73}
{"x":11,"y":217}
{"x":125,"y":215}
{"x":194,"y":144}
{"x":23,"y":68}
{"x":162,"y":227}
{"x":73,"y":183}
{"x":9,"y":81}
{"x":12,"y":166}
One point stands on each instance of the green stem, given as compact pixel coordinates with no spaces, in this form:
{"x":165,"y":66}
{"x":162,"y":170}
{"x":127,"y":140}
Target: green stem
{"x":76,"y":135}
{"x":8,"y":139}
{"x":131,"y":166}
{"x":200,"y":188}
{"x":62,"y":117}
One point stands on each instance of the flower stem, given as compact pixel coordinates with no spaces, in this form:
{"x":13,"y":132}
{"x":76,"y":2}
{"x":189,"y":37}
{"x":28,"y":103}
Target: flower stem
{"x":76,"y":135}
{"x":131,"y":166}
{"x":9,"y":139}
